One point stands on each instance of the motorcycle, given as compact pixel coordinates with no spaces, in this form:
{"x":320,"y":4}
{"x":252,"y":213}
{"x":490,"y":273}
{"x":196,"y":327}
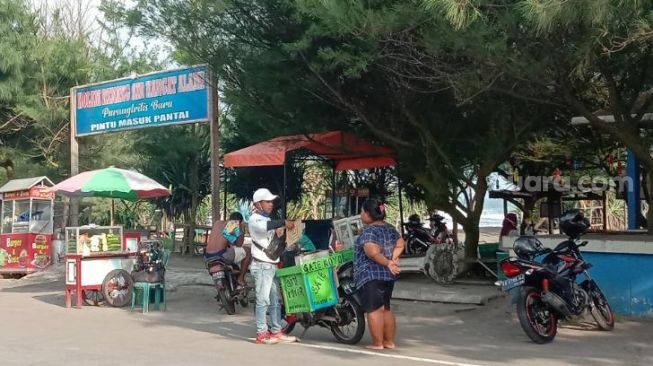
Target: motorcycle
{"x":346,"y":320}
{"x":549,"y":290}
{"x":433,"y":252}
{"x":225,"y":279}
{"x":419,"y":239}
{"x":440,"y":232}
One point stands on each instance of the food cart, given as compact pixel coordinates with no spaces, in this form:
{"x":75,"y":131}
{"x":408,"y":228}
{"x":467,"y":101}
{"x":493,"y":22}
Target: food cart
{"x":26,"y":216}
{"x":99,"y":259}
{"x":98,"y":265}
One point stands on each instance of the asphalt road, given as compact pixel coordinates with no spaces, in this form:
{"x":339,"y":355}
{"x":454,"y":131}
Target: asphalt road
{"x":36,"y":329}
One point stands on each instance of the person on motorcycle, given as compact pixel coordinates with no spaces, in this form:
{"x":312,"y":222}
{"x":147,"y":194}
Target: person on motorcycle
{"x":376,"y":264}
{"x":226,"y":242}
{"x":262,"y":229}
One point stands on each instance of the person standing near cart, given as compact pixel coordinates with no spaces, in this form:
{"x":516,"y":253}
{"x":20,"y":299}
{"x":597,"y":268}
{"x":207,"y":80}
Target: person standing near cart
{"x":376,"y":264}
{"x":262,"y":229}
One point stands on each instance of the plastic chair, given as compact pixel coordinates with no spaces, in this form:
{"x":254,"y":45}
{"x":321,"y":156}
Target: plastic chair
{"x":158,"y":287}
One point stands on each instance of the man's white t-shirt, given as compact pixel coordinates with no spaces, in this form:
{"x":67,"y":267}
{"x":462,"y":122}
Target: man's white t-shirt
{"x":258,"y":231}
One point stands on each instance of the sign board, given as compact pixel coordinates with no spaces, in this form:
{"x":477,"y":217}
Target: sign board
{"x":34,"y":192}
{"x":161,"y":98}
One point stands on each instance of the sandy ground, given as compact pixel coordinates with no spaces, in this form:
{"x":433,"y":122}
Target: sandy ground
{"x":37,"y":329}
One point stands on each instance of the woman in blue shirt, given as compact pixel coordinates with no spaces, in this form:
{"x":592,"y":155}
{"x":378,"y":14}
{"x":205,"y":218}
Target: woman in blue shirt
{"x":376,"y":264}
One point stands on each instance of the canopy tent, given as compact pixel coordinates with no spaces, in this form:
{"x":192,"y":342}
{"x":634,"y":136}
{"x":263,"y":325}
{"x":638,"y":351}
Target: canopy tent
{"x":344,"y":150}
{"x":347,"y":151}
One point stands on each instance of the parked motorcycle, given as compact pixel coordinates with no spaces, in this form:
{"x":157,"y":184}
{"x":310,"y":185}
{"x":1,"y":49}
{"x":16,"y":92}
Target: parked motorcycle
{"x":549,"y":290}
{"x":346,"y":320}
{"x":225,"y":278}
{"x":435,"y":249}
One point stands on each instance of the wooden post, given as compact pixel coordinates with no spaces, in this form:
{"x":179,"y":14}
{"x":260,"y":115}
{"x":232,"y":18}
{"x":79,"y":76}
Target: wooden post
{"x":605,"y":210}
{"x":74,"y":158}
{"x":224,"y":195}
{"x":401,"y":203}
{"x":215,"y":146}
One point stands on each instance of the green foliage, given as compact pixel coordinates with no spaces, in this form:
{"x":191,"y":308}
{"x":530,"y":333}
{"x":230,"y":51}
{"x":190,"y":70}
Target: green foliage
{"x":177,"y":157}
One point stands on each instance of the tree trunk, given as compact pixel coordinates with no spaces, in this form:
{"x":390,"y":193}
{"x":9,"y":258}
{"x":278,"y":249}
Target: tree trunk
{"x":471,"y":225}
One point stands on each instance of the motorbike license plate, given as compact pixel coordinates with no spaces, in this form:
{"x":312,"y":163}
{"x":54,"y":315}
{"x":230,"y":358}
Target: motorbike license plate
{"x":513,"y":282}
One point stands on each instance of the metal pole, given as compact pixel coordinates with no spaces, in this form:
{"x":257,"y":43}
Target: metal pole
{"x":633,"y":191}
{"x":113,"y":212}
{"x":333,"y":192}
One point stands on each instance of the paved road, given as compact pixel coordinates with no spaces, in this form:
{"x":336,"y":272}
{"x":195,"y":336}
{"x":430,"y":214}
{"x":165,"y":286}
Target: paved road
{"x":38,"y":330}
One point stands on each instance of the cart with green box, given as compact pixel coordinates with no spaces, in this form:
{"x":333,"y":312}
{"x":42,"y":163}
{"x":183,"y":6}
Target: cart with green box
{"x":320,"y":290}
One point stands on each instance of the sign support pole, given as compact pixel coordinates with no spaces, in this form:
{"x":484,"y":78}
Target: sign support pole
{"x":74,"y":158}
{"x":215,"y":147}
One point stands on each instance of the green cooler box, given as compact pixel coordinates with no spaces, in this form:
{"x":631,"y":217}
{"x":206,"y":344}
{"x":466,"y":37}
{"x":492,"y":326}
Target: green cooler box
{"x":311,"y":285}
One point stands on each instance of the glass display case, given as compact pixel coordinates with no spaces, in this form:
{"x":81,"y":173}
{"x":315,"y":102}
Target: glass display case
{"x":86,"y":240}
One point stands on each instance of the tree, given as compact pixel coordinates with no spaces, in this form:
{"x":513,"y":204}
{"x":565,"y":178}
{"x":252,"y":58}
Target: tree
{"x":385,"y":69}
{"x":592,"y":56}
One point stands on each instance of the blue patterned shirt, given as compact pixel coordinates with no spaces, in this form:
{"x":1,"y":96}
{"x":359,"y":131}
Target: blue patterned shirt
{"x":365,"y":269}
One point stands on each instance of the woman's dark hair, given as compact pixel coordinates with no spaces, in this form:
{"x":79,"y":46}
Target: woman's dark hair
{"x":375,"y":208}
{"x":236,"y":216}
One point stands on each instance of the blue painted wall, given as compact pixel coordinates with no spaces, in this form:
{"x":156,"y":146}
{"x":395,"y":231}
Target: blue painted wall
{"x":626,"y":280}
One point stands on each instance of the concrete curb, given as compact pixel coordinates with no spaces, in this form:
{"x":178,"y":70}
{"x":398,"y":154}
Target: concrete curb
{"x":455,"y":294}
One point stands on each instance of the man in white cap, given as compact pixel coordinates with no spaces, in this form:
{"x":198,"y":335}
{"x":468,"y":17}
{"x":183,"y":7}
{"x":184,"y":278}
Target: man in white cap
{"x":262,"y":230}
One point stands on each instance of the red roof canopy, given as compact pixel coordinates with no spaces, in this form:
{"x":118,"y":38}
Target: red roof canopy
{"x":346,"y":150}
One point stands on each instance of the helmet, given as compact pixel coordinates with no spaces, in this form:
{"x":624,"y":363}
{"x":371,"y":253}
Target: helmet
{"x":436,"y":217}
{"x":573,"y":223}
{"x":527,"y":246}
{"x":414,"y":220}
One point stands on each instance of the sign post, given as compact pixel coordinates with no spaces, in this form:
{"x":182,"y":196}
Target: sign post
{"x":162,"y":98}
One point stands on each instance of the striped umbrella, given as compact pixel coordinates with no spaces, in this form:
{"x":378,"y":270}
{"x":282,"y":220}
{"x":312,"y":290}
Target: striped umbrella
{"x":111,"y":183}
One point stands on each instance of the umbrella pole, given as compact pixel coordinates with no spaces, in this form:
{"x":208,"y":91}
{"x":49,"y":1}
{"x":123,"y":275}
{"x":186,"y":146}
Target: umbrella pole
{"x":113,"y":212}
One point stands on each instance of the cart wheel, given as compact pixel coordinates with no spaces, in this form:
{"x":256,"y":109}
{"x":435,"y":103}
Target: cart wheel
{"x":93,"y":297}
{"x":117,"y":288}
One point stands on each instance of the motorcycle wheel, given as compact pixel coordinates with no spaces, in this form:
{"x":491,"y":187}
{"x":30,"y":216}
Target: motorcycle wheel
{"x":355,"y":322}
{"x":440,"y":263}
{"x":601,"y":311}
{"x":537,"y":321}
{"x":228,"y":305}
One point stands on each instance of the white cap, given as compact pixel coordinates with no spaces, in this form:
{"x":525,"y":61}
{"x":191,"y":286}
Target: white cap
{"x":263,"y":194}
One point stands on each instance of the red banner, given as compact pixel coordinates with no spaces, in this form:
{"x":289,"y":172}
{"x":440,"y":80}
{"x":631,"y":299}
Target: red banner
{"x":34,"y":192}
{"x":25,"y":251}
